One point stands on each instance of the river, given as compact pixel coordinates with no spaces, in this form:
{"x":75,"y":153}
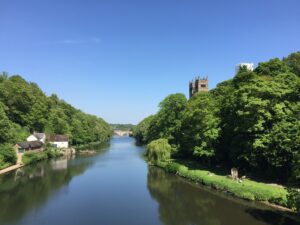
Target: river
{"x":116,"y":186}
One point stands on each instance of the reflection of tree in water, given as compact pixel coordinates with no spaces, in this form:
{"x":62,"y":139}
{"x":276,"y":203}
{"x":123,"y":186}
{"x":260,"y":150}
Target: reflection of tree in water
{"x":181,"y":203}
{"x":272,"y":217}
{"x":31,"y":186}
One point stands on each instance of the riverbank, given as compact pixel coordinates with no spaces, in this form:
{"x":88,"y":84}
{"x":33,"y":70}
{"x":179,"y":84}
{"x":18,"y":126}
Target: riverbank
{"x":11,"y":168}
{"x":30,"y":158}
{"x":33,"y":157}
{"x":247,"y":189}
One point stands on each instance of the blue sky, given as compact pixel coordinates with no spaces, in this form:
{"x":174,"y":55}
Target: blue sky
{"x":119,"y":59}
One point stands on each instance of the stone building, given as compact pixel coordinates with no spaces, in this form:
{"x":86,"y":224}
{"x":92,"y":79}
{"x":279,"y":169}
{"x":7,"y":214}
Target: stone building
{"x":198,"y":85}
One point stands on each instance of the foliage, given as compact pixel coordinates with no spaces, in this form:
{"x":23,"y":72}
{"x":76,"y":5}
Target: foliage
{"x":294,"y":199}
{"x":6,"y":126}
{"x":296,"y":168}
{"x":293,"y":62}
{"x":33,"y":157}
{"x":272,"y":68}
{"x":165,"y":124}
{"x":248,"y":189}
{"x":158,"y":150}
{"x":200,"y":126}
{"x":24,"y":108}
{"x":140,"y":132}
{"x":7,"y":156}
{"x":251,"y":121}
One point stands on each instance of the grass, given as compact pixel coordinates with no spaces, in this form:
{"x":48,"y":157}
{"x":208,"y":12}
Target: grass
{"x":249,"y":190}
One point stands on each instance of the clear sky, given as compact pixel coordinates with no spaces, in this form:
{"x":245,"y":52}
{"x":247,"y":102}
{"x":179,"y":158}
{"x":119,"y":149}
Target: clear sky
{"x":119,"y":58}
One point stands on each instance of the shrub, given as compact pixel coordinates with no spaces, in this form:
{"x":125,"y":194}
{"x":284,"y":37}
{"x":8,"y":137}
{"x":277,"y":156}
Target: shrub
{"x":158,"y":150}
{"x":7,"y":155}
{"x":294,"y":199}
{"x":52,"y":153}
{"x":32,"y":157}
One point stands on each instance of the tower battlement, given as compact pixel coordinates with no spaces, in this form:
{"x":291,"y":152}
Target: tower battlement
{"x":198,"y":85}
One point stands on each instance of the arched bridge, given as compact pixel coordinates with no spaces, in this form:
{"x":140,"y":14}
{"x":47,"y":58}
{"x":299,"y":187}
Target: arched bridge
{"x":122,"y":133}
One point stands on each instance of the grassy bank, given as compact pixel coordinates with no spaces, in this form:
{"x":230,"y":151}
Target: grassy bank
{"x":33,"y":157}
{"x":249,"y":190}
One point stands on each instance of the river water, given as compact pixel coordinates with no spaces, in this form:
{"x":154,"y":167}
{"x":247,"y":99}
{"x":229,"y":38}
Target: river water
{"x":116,"y":186}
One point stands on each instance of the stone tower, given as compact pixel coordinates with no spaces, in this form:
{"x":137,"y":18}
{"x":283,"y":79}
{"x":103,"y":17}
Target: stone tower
{"x":198,"y":85}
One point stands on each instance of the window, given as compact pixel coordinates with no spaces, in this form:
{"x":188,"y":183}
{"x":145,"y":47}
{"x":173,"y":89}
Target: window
{"x":203,"y":85}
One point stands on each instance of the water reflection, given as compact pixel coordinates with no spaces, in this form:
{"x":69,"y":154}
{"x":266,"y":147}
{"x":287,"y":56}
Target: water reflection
{"x":30,"y":187}
{"x":183,"y":203}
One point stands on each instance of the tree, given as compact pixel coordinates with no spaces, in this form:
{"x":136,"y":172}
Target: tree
{"x":158,"y":150}
{"x":7,"y":155}
{"x":272,"y":68}
{"x":57,"y":122}
{"x":6,"y":127}
{"x":167,"y":122}
{"x":200,"y":127}
{"x":293,"y":62}
{"x":140,"y":132}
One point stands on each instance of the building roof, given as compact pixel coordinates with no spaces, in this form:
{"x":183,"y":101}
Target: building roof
{"x":39,"y":136}
{"x":30,"y":144}
{"x":58,"y":138}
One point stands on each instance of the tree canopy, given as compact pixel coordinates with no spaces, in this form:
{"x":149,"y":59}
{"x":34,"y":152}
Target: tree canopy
{"x":251,"y":121}
{"x":24,"y":108}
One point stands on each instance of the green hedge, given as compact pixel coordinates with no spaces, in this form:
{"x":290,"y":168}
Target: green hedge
{"x":248,"y":189}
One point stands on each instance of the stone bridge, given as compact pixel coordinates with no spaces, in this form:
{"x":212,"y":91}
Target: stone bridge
{"x":122,"y":133}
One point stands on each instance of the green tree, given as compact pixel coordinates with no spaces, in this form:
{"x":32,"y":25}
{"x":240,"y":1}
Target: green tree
{"x":57,"y":122}
{"x":140,"y":132}
{"x":293,"y":62}
{"x":167,"y":122}
{"x":272,"y":68}
{"x":158,"y":150}
{"x":6,"y":127}
{"x":200,"y":127}
{"x":7,"y":155}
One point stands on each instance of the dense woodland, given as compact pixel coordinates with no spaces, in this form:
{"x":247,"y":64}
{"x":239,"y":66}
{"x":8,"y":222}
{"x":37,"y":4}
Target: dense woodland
{"x":251,"y":122}
{"x":24,"y":108}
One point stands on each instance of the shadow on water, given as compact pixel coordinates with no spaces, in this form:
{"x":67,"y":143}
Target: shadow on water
{"x":28,"y":188}
{"x":183,"y":203}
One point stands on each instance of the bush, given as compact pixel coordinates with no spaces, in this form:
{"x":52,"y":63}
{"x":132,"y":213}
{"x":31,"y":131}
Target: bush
{"x":158,"y":150}
{"x":33,"y":157}
{"x":7,"y":156}
{"x":294,"y":199}
{"x":52,"y":153}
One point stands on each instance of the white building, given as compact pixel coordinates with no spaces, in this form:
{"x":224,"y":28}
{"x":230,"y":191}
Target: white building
{"x":59,"y":141}
{"x":249,"y":66}
{"x":37,"y":137}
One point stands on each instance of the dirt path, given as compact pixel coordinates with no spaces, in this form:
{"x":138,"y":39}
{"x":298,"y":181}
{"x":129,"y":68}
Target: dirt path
{"x":14,"y":167}
{"x":8,"y":169}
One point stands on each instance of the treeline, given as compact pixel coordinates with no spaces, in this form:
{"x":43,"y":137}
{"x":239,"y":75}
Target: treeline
{"x":24,"y":108}
{"x":251,"y":122}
